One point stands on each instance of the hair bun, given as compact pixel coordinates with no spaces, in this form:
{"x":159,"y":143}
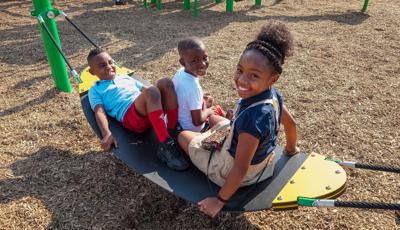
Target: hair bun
{"x":277,"y":34}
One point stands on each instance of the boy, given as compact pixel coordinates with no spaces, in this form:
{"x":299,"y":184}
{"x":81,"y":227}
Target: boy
{"x":192,"y":111}
{"x":136,"y":106}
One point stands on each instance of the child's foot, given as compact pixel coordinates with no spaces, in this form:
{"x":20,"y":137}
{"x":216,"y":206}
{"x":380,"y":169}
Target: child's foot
{"x":169,"y":153}
{"x":120,"y":2}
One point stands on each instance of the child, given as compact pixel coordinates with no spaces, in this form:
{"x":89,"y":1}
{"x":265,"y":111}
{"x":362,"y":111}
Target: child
{"x":248,"y":149}
{"x":136,"y":106}
{"x":192,"y":111}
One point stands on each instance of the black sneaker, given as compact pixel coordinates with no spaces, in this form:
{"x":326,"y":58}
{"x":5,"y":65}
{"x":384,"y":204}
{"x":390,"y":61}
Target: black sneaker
{"x":169,"y":153}
{"x":174,"y":133}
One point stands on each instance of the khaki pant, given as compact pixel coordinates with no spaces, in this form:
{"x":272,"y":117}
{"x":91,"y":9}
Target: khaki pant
{"x":222,"y":162}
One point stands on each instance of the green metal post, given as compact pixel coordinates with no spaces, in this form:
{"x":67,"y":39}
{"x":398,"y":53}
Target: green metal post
{"x":158,"y":4}
{"x":153,"y":1}
{"x":365,"y":6}
{"x":56,"y":61}
{"x":145,"y":3}
{"x":195,"y":10}
{"x":218,"y":1}
{"x":258,"y":2}
{"x":229,"y":6}
{"x":186,"y":4}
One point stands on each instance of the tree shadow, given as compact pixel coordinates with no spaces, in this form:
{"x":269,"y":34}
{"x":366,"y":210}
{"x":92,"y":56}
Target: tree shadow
{"x":49,"y":94}
{"x":147,"y":34}
{"x":29,"y":82}
{"x":95,"y":190}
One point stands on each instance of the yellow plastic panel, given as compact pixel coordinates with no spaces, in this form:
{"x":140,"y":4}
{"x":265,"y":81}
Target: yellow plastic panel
{"x":316,"y":178}
{"x":88,"y":79}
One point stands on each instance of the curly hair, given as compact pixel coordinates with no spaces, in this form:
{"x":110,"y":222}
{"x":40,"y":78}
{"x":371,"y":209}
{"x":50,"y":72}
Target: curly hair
{"x":275,"y":42}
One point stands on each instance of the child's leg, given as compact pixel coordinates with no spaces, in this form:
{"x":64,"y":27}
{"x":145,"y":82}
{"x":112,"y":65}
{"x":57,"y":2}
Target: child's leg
{"x":184,"y":139}
{"x":169,"y":101}
{"x":215,"y":119}
{"x":148,"y":103}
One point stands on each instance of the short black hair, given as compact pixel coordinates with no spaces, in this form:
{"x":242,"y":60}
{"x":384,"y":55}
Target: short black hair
{"x":189,"y":43}
{"x":93,"y":53}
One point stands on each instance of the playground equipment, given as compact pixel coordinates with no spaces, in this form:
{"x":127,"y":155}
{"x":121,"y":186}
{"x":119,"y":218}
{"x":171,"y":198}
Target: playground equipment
{"x":299,"y":180}
{"x":229,"y":5}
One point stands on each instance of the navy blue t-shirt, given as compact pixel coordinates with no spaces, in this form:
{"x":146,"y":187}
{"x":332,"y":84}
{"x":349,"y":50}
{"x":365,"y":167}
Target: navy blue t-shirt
{"x":260,"y":122}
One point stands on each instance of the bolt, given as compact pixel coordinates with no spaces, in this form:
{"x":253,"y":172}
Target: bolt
{"x":280,"y":198}
{"x":328,"y":187}
{"x":304,"y":167}
{"x":313,"y":155}
{"x":292,"y":181}
{"x":337,"y":171}
{"x":50,"y":14}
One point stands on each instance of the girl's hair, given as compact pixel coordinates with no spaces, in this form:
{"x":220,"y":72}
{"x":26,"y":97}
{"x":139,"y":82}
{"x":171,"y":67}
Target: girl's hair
{"x":275,"y":42}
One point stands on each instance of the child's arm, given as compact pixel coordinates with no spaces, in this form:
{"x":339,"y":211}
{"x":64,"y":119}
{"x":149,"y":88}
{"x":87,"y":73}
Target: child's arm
{"x":246,"y":148}
{"x":102,"y":122}
{"x":290,"y":131}
{"x":199,"y":116}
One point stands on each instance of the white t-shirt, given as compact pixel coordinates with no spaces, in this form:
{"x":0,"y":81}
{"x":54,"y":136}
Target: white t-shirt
{"x":190,"y":97}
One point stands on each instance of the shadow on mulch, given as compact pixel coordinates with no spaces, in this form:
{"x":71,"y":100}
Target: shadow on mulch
{"x":49,"y":94}
{"x":157,"y":35}
{"x":97,"y":190}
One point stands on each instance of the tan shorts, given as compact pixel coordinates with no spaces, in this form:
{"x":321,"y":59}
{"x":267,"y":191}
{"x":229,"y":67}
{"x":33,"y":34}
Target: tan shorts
{"x":222,"y":162}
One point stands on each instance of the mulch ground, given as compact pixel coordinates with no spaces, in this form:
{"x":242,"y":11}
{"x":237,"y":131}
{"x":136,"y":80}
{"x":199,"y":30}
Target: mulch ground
{"x":342,"y":85}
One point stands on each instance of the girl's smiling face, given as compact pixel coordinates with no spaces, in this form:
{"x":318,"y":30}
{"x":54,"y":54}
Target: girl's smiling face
{"x":254,"y":74}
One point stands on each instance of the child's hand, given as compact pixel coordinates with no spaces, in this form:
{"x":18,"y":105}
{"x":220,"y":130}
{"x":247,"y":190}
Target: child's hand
{"x":208,"y":100}
{"x":210,"y":206}
{"x":108,"y":141}
{"x":291,"y":151}
{"x":229,"y":114}
{"x":212,"y":111}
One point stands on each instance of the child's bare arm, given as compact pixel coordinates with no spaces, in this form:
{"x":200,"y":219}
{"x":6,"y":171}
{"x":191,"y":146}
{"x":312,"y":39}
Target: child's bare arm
{"x":102,"y":122}
{"x":199,"y":116}
{"x":246,"y":148}
{"x":290,"y":131}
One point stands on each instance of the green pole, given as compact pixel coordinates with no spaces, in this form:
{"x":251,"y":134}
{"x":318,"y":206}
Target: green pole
{"x":365,"y":6}
{"x":186,"y":4}
{"x":195,"y":10}
{"x":158,"y":4}
{"x":145,"y":3}
{"x":258,"y":2}
{"x":57,"y":63}
{"x":229,"y":6}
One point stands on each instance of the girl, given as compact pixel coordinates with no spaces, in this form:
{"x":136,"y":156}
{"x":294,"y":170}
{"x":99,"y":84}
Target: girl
{"x":249,"y":146}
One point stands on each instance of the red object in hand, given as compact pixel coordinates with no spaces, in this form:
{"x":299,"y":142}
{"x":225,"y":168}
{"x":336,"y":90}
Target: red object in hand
{"x":219,"y":110}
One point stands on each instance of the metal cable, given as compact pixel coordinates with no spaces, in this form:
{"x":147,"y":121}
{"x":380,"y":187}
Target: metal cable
{"x":378,"y":167}
{"x":80,"y":31}
{"x":369,"y":205}
{"x":54,"y":42}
